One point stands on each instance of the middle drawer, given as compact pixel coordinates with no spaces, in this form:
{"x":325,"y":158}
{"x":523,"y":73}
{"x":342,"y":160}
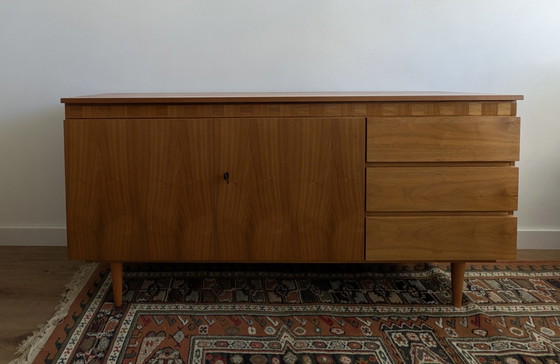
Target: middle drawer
{"x":441,"y":188}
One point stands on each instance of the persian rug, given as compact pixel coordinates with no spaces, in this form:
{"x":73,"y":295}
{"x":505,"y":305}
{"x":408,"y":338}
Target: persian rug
{"x":257,"y":314}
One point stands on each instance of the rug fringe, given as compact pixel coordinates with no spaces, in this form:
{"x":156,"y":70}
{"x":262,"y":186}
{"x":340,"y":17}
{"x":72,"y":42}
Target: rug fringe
{"x":30,"y":347}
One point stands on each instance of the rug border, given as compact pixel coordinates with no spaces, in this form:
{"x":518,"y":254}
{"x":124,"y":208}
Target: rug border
{"x":31,"y":346}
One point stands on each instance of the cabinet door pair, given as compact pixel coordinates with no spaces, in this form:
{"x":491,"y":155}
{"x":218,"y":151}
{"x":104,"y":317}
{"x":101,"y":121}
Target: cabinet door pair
{"x":231,"y":189}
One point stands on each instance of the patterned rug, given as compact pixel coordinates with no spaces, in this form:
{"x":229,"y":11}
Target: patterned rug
{"x":257,"y":314}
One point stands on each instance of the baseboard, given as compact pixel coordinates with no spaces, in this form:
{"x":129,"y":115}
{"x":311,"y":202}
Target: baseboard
{"x":538,"y":239}
{"x":56,"y":236}
{"x":33,"y":236}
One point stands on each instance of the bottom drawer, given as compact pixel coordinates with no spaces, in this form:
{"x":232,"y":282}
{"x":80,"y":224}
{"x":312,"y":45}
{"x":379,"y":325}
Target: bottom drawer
{"x":441,"y":238}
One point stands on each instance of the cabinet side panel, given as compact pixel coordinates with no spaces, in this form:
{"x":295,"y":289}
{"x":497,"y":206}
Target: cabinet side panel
{"x":296,"y":190}
{"x":139,"y":190}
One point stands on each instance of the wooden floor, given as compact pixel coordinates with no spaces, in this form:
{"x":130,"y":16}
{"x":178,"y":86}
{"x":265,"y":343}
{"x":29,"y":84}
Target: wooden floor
{"x":33,"y":278}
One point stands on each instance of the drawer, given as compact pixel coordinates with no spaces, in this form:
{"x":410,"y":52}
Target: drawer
{"x":441,"y":188}
{"x":440,"y":238}
{"x":435,"y":139}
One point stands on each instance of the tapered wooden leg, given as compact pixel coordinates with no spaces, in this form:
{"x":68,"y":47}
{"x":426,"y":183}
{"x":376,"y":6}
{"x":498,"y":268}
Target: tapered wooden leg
{"x":117,"y":277}
{"x":457,"y":278}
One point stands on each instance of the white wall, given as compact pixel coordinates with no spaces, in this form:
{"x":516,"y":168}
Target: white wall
{"x":58,"y":48}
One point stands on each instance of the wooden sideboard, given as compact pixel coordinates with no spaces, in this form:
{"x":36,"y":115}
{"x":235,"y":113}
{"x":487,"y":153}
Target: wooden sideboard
{"x":292,"y":177}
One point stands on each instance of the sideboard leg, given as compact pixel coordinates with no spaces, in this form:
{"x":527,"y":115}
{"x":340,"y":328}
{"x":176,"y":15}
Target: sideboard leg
{"x":117,"y":277}
{"x":457,"y":279}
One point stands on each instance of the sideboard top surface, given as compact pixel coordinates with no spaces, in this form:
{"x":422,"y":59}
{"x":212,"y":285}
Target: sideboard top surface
{"x":268,"y":97}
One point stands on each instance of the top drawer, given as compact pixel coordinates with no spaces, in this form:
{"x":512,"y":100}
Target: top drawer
{"x":443,"y":139}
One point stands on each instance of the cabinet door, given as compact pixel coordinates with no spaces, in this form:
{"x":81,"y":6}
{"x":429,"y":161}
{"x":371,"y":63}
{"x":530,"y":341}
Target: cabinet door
{"x":139,"y":189}
{"x":295,"y":191}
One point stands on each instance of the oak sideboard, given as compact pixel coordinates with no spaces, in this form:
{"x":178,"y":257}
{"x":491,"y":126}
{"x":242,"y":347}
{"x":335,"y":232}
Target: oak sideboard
{"x":292,"y":177}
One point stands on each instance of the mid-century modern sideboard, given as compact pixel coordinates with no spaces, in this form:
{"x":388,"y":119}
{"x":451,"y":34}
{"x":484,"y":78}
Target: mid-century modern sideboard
{"x":292,"y":177}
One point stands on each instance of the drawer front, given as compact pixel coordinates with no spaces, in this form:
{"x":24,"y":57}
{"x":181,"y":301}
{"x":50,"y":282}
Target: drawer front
{"x":440,"y":238}
{"x":441,"y":188}
{"x":440,"y":139}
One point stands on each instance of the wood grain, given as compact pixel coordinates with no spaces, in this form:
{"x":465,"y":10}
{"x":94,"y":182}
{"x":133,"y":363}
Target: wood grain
{"x":157,"y":110}
{"x":438,"y":213}
{"x":78,"y":111}
{"x":250,"y":97}
{"x":442,"y":108}
{"x":440,"y":164}
{"x":139,"y":190}
{"x":117,"y":282}
{"x":457,"y":282}
{"x":452,"y":238}
{"x":442,"y":139}
{"x":441,"y":188}
{"x":32,"y":280}
{"x":296,"y":189}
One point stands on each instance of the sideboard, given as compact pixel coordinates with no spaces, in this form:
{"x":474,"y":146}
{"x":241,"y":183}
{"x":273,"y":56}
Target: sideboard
{"x":292,"y":177}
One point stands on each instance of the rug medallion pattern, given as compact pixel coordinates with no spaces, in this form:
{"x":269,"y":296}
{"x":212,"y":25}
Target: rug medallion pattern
{"x":511,"y":314}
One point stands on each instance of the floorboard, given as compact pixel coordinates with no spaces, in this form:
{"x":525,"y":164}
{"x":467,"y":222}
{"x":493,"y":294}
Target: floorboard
{"x":31,"y":282}
{"x":33,"y":278}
